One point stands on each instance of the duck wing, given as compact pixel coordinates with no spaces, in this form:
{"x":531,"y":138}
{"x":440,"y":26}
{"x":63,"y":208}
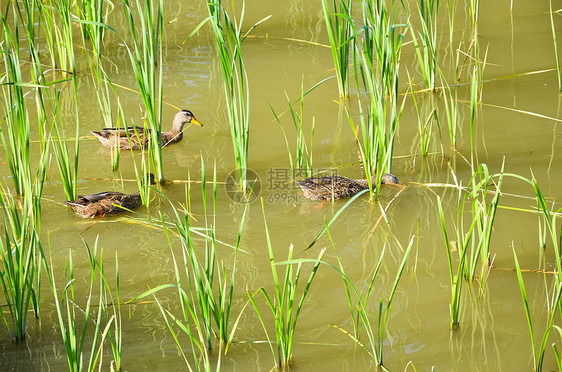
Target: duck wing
{"x":122,"y":132}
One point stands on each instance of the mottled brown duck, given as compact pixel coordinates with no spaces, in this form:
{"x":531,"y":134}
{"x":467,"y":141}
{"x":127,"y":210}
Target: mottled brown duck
{"x":106,"y":203}
{"x":339,"y":187}
{"x":139,"y":136}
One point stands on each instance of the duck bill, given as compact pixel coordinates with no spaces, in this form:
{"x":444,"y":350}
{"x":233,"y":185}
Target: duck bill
{"x":196,"y":122}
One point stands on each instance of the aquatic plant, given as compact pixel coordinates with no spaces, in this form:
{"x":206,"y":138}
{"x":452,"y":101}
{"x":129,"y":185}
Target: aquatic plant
{"x":145,"y":54}
{"x":20,"y":248}
{"x":538,"y":355}
{"x":341,"y":31}
{"x":282,"y":304}
{"x":205,"y":290}
{"x":94,"y":13}
{"x":361,"y":315}
{"x":473,"y":245}
{"x":427,"y":52}
{"x":302,"y":164}
{"x":229,"y":40}
{"x":74,"y":331}
{"x":378,"y":119}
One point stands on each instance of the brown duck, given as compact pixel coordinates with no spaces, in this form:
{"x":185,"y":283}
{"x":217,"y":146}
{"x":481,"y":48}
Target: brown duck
{"x":106,"y":203}
{"x":339,"y":187}
{"x":112,"y":137}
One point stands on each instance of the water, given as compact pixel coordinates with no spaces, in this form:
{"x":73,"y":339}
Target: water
{"x":493,"y":334}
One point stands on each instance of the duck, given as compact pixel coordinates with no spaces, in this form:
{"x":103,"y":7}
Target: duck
{"x":117,"y":137}
{"x":106,"y":203}
{"x":339,"y":187}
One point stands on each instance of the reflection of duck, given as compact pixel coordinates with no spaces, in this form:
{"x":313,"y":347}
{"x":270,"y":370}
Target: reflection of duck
{"x":112,"y":137}
{"x":338,"y":187}
{"x":108,"y":202}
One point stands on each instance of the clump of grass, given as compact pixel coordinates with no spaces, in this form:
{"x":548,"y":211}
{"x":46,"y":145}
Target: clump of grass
{"x":427,"y":52}
{"x":68,"y":168}
{"x":74,"y":331}
{"x":94,"y":13}
{"x":539,"y":353}
{"x":146,"y":55}
{"x":229,"y":40}
{"x":302,"y":163}
{"x":473,"y":245}
{"x":341,"y":31}
{"x":358,"y":302}
{"x":205,"y":290}
{"x":282,"y":305}
{"x":20,"y":248}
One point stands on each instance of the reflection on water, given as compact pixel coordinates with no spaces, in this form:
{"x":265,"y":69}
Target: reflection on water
{"x":493,"y":334}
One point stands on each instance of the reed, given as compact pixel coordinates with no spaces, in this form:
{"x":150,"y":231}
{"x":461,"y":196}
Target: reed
{"x":302,"y":163}
{"x":229,"y":40}
{"x":146,"y":54}
{"x":341,"y":31}
{"x":74,"y":331}
{"x":426,"y":49}
{"x":361,"y":313}
{"x":19,"y":253}
{"x":285,"y":305}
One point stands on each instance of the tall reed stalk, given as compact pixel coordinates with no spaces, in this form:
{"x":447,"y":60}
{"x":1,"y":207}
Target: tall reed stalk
{"x":341,"y":31}
{"x":229,"y":40}
{"x":146,"y":54}
{"x":285,"y":305}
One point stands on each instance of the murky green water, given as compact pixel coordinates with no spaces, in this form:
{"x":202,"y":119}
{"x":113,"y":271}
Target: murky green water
{"x":493,"y":334}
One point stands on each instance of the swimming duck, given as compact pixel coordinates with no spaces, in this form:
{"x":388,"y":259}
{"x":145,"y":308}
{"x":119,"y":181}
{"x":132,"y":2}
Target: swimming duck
{"x":339,"y":187}
{"x":108,"y":202}
{"x":112,"y":137}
